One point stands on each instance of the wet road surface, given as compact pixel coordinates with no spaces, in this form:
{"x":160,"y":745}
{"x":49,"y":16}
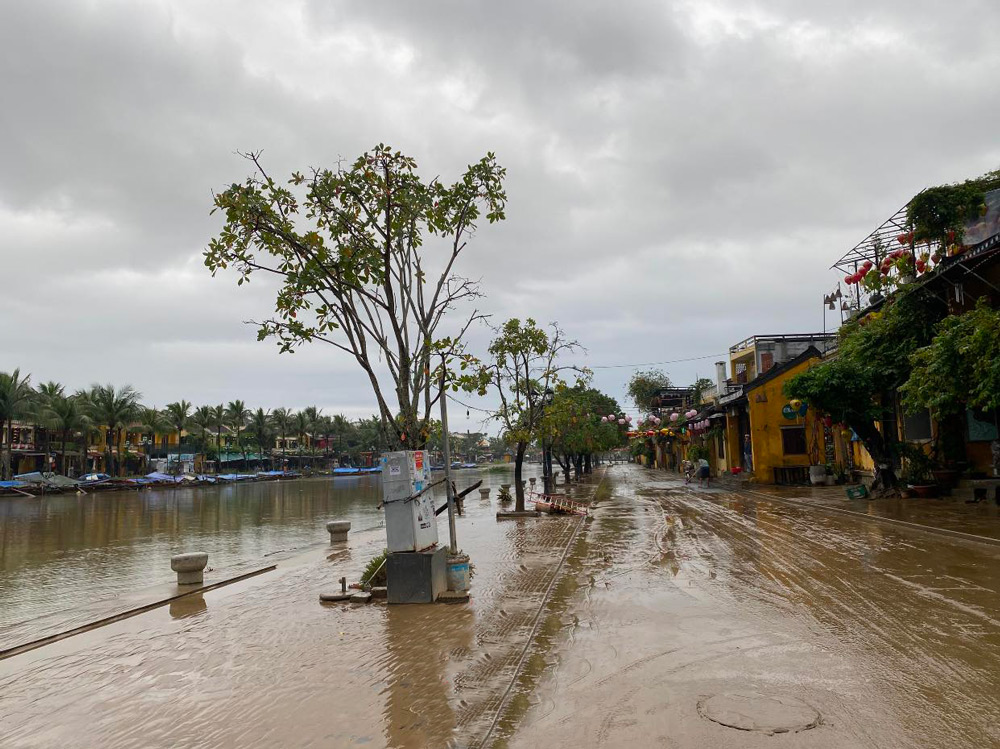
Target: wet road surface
{"x":890,"y":635}
{"x":671,"y":608}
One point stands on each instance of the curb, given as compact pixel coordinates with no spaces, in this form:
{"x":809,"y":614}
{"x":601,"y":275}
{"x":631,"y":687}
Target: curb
{"x":127,"y":614}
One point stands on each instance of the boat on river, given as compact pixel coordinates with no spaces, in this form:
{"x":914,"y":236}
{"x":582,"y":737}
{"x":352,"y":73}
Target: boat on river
{"x":353,"y":471}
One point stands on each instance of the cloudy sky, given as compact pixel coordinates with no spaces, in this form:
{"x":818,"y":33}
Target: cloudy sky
{"x":681,"y":175}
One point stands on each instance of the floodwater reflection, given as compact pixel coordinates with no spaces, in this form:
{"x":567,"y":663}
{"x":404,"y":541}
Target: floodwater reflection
{"x":419,"y":643}
{"x":188,"y":606}
{"x":60,"y":551}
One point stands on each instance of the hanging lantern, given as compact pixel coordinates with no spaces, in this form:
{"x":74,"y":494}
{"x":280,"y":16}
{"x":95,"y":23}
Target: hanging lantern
{"x":621,"y":422}
{"x":604,"y":419}
{"x":846,"y":434}
{"x":674,"y":416}
{"x":691,"y":414}
{"x":628,"y":419}
{"x":795,"y":403}
{"x":656,"y":421}
{"x":611,"y":417}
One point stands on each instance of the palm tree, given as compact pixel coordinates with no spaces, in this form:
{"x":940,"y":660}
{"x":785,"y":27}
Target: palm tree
{"x":237,"y":413}
{"x":43,"y":396}
{"x":179,"y":414}
{"x":301,"y":424}
{"x":202,"y":418}
{"x":341,"y":426}
{"x":156,"y":424}
{"x":116,"y":409}
{"x":66,"y":415}
{"x":260,"y":428}
{"x":219,"y":419}
{"x":15,"y":400}
{"x":282,"y":420}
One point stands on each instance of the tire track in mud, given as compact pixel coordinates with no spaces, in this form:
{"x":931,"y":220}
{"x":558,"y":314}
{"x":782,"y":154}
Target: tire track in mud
{"x":934,"y":645}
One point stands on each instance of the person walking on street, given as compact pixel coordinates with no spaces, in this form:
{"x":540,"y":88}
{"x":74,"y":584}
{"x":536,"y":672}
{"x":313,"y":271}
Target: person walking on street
{"x":704,"y":473}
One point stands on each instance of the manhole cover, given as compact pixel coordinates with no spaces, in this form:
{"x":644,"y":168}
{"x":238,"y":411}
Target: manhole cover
{"x":756,"y":712}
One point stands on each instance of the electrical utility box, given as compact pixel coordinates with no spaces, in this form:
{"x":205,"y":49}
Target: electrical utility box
{"x":410,"y":524}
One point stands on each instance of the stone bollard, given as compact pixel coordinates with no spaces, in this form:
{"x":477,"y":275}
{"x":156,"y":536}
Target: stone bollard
{"x":338,"y":530}
{"x":190,"y":567}
{"x":484,"y":494}
{"x":532,"y":482}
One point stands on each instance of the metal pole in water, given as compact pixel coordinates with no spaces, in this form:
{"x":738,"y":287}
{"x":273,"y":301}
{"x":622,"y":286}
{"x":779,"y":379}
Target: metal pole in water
{"x":446,"y":451}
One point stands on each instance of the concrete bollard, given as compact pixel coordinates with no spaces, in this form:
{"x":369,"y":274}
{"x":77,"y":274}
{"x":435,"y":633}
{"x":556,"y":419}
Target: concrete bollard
{"x":190,"y":567}
{"x":484,"y":494}
{"x":338,"y":530}
{"x":532,"y":482}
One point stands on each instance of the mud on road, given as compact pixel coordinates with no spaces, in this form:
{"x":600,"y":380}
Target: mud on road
{"x":691,"y":594}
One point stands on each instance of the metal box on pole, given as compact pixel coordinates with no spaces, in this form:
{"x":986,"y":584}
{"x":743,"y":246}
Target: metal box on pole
{"x":410,"y":523}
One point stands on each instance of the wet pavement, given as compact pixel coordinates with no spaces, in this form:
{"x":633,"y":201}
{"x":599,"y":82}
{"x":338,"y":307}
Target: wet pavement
{"x":890,"y":635}
{"x":263,"y":663}
{"x":674,"y":616}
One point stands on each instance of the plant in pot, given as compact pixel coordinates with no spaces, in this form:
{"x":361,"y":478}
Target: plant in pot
{"x":917,"y":468}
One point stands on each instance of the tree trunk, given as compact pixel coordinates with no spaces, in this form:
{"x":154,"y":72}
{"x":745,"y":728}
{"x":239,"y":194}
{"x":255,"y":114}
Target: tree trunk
{"x":578,"y":466}
{"x":522,"y":448}
{"x":62,"y":455}
{"x":885,"y":480}
{"x":588,"y":466}
{"x":5,"y":438}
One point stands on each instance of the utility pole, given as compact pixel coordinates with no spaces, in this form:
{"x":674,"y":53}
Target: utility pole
{"x":446,"y":451}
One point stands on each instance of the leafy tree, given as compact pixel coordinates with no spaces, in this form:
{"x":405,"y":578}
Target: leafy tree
{"x":116,"y":409}
{"x":16,"y":395}
{"x":347,"y":248}
{"x":644,"y":387}
{"x":857,"y":387}
{"x":574,"y":429}
{"x":154,"y":423}
{"x":698,"y":390}
{"x":523,"y":366}
{"x":960,"y":368}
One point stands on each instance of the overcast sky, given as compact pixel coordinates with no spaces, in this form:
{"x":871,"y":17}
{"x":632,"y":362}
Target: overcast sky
{"x":681,"y":175}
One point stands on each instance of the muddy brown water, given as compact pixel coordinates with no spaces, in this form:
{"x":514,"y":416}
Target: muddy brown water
{"x":669,"y":596}
{"x":59,"y":551}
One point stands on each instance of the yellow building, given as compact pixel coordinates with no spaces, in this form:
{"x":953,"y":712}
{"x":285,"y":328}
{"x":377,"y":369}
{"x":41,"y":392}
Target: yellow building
{"x":785,"y":440}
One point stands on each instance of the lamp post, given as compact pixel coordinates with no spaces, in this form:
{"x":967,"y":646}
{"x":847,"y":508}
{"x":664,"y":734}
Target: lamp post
{"x":830,"y":302}
{"x":446,"y":453}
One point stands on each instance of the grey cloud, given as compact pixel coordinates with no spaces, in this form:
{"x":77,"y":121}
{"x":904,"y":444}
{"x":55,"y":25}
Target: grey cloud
{"x":680,"y":175}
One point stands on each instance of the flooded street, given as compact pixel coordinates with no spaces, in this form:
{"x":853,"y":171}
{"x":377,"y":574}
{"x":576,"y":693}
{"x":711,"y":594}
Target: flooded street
{"x":59,"y":551}
{"x":891,"y":635}
{"x":670,"y":607}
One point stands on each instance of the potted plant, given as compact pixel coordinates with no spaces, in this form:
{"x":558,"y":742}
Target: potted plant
{"x":917,"y":468}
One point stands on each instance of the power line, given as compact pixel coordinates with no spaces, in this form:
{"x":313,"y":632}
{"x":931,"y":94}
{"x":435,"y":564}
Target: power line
{"x":466,"y":405}
{"x":655,"y":363}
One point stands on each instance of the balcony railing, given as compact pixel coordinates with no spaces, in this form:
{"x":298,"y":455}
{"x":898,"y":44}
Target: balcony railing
{"x":752,"y":341}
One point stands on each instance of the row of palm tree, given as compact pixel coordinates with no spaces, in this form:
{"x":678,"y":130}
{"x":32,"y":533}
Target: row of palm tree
{"x":119,"y":411}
